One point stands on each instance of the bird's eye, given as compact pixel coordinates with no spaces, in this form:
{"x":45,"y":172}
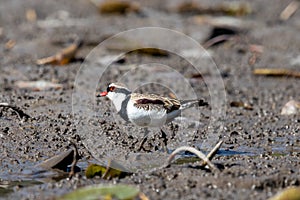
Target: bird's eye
{"x":111,"y":88}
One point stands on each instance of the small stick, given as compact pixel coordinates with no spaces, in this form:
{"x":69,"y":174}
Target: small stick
{"x":276,"y":72}
{"x":289,"y":10}
{"x":143,"y":196}
{"x":217,"y":39}
{"x":194,"y":151}
{"x":75,"y":160}
{"x":107,"y":169}
{"x":213,"y":152}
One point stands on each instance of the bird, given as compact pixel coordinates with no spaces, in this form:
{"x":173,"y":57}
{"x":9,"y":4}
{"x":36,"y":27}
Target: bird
{"x":146,"y":110}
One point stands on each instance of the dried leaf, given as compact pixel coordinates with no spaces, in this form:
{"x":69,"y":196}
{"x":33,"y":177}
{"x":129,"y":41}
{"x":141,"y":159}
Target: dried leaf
{"x":121,"y":192}
{"x":196,"y":75}
{"x":142,"y":196}
{"x":152,"y":52}
{"x":94,"y":170}
{"x":289,"y":10}
{"x":190,"y":7}
{"x":31,"y":15}
{"x":224,"y":29}
{"x":60,"y":161}
{"x":291,"y":193}
{"x":233,"y":8}
{"x":241,"y":104}
{"x":9,"y":44}
{"x":276,"y":72}
{"x":255,"y":48}
{"x":222,"y":21}
{"x":38,"y":85}
{"x":218,"y":40}
{"x":63,"y":57}
{"x":118,"y":7}
{"x":256,"y":51}
{"x":106,"y":172}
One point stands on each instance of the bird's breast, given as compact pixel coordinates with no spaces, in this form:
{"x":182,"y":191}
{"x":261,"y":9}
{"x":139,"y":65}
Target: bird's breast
{"x":145,"y":115}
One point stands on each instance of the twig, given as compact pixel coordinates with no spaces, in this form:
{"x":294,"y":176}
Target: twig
{"x":213,"y":152}
{"x":75,"y":160}
{"x":217,"y":39}
{"x":18,"y":111}
{"x":276,"y":72}
{"x":107,"y":169}
{"x":194,"y":151}
{"x":142,"y":196}
{"x":289,"y":10}
{"x":64,"y":56}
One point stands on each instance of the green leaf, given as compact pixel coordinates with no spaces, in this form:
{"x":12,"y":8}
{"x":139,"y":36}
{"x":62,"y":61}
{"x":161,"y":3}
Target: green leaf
{"x":95,"y":192}
{"x":105,"y":172}
{"x":94,"y":170}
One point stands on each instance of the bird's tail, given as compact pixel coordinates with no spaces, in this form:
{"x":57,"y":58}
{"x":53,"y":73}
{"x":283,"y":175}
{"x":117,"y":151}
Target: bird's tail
{"x":189,"y":103}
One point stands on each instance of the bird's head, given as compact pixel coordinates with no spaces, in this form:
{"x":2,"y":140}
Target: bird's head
{"x":116,"y":92}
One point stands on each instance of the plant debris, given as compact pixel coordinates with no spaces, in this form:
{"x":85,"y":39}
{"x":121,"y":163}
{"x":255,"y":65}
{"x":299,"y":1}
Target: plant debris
{"x":38,"y":85}
{"x":289,"y":10}
{"x":31,"y":15}
{"x":76,"y":157}
{"x":256,"y":51}
{"x":105,"y":172}
{"x":118,"y":7}
{"x":9,"y":44}
{"x":233,"y":8}
{"x":151,"y":52}
{"x":219,"y":35}
{"x":213,"y":152}
{"x":62,"y":57}
{"x":290,"y":193}
{"x":291,"y":108}
{"x":276,"y":72}
{"x":60,"y":161}
{"x":241,"y":104}
{"x":220,"y":21}
{"x":206,"y":159}
{"x":217,"y":40}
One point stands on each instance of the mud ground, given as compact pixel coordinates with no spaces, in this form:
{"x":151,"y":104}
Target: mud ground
{"x":261,"y":150}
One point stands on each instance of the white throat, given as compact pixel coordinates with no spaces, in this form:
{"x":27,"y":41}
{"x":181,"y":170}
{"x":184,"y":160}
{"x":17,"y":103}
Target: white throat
{"x":117,"y":99}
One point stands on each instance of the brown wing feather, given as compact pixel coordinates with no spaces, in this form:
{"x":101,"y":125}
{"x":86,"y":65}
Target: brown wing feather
{"x":155,"y":101}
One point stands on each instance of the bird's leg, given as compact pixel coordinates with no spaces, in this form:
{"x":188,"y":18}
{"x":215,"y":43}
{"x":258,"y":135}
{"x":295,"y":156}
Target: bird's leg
{"x":163,"y":141}
{"x":141,"y":144}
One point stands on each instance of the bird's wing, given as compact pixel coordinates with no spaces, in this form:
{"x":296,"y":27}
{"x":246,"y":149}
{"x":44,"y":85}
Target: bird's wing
{"x":154,"y":101}
{"x":189,"y":103}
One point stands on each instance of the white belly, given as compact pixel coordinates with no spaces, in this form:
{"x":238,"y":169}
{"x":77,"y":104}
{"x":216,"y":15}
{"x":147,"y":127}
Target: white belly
{"x":150,"y":118}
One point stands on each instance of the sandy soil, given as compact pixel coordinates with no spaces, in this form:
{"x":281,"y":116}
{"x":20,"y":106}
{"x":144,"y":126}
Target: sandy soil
{"x":261,"y":150}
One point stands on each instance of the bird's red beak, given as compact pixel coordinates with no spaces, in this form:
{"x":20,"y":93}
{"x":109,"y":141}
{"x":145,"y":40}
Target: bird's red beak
{"x":103,"y":94}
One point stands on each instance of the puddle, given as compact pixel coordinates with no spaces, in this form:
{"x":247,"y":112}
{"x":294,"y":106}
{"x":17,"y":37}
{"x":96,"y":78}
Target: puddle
{"x":278,"y":148}
{"x":7,"y":187}
{"x":30,"y":176}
